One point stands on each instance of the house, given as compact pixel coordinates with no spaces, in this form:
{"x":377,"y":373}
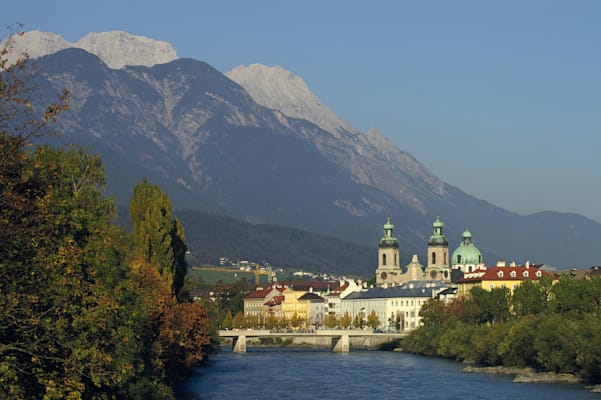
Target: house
{"x":500,"y":276}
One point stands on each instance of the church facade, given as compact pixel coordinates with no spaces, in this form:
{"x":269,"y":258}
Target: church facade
{"x":466,"y":258}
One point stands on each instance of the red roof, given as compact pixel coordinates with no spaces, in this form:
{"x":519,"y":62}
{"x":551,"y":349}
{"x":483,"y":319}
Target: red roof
{"x":516,"y":273}
{"x":261,"y":292}
{"x":277,"y":300}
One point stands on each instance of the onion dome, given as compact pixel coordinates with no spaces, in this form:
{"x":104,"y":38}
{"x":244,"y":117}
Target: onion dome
{"x":438,"y":239}
{"x":466,"y":253}
{"x":388,"y":240}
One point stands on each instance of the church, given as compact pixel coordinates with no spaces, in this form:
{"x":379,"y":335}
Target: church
{"x":466,"y":258}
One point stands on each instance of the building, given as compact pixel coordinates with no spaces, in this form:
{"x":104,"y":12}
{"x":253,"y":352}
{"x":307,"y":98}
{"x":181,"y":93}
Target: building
{"x":316,"y":308}
{"x":389,"y":270}
{"x":254,"y":302}
{"x":500,"y":276}
{"x":397,"y":307}
{"x":467,"y":258}
{"x":438,"y":254}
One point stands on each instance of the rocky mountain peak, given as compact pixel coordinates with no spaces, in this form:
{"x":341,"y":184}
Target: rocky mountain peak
{"x":279,"y":89}
{"x":36,"y":44}
{"x":116,"y":48}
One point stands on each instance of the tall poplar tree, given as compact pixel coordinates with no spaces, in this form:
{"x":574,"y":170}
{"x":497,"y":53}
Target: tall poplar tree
{"x":158,"y":237}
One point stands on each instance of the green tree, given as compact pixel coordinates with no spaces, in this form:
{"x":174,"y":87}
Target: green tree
{"x":158,"y":237}
{"x":432,"y":312}
{"x":530,"y":298}
{"x":492,"y":306}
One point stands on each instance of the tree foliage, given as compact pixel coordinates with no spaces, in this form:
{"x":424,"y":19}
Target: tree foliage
{"x":550,"y":327}
{"x":158,"y":237}
{"x":79,"y":317}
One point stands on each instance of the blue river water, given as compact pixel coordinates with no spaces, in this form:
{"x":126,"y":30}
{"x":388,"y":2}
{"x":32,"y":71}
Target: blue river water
{"x":294,"y":374}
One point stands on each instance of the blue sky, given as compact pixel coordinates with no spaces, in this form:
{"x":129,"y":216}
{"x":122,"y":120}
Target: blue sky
{"x":502,"y":99}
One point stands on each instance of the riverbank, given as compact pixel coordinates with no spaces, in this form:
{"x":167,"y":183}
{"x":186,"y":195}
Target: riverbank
{"x":525,"y":375}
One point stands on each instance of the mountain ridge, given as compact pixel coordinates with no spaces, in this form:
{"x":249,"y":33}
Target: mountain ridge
{"x":116,"y":49}
{"x":187,"y":126}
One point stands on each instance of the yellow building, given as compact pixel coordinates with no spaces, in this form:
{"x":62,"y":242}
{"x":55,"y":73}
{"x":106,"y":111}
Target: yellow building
{"x":498,"y":277}
{"x":291,"y":305}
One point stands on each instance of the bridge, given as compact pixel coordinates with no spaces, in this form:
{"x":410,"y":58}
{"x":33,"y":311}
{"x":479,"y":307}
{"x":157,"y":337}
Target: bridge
{"x":339,"y":339}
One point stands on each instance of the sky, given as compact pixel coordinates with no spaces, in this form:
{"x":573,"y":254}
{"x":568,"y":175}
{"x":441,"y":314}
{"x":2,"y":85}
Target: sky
{"x":501,"y":99}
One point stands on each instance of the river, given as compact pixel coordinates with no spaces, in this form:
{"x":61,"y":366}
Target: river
{"x":295,"y":374}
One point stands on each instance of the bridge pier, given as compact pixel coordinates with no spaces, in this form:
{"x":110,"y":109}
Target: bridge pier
{"x":340,"y":344}
{"x":239,"y":344}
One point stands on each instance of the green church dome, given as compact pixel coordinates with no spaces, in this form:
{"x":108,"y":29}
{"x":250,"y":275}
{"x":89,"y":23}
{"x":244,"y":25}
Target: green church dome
{"x":466,"y":253}
{"x":388,"y":240}
{"x":438,"y":239}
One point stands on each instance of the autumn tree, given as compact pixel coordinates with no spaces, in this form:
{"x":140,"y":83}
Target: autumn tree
{"x":330,"y":321}
{"x":346,"y":320}
{"x":373,"y":321}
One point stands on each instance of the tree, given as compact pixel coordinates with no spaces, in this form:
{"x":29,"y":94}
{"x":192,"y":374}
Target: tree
{"x":346,"y":320}
{"x":493,"y":305}
{"x":530,"y":298}
{"x":358,"y":322}
{"x":238,"y":321}
{"x":432,"y":312}
{"x":330,"y":321}
{"x":78,"y":318}
{"x":158,"y":237}
{"x":227,"y":320}
{"x":373,"y":321}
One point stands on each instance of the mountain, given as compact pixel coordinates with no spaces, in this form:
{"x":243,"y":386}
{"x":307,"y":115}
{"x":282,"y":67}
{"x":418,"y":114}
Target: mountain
{"x":117,"y":48}
{"x":211,"y":236}
{"x":212,"y":147}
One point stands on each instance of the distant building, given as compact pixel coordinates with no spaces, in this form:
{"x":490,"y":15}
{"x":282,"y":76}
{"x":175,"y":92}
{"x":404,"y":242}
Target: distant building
{"x":396,"y":307}
{"x":500,"y":276}
{"x":255,"y":302}
{"x":389,"y":272}
{"x":438,"y":254}
{"x":316,"y":308}
{"x":467,"y":258}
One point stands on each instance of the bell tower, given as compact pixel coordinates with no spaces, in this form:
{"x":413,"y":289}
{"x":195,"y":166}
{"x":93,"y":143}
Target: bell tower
{"x":438,"y":254}
{"x":389,"y":270}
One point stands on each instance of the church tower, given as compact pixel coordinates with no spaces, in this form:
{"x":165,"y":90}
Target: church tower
{"x":389,"y":270}
{"x":438,"y":254}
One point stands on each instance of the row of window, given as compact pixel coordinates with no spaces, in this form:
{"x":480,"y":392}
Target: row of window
{"x":407,"y":303}
{"x":525,"y":274}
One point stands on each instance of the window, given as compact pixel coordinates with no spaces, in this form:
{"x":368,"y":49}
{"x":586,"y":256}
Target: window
{"x":492,"y":286}
{"x":383,"y":259}
{"x":500,"y":274}
{"x":538,"y":274}
{"x":433,"y":258}
{"x":512,"y":274}
{"x":395,"y":263}
{"x":525,"y":274}
{"x":458,"y":259}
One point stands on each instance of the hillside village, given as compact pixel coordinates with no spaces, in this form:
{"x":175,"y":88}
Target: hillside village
{"x":394,"y":302}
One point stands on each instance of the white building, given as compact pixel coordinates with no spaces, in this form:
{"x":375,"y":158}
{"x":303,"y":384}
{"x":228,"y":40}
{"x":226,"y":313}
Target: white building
{"x":397,"y":307}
